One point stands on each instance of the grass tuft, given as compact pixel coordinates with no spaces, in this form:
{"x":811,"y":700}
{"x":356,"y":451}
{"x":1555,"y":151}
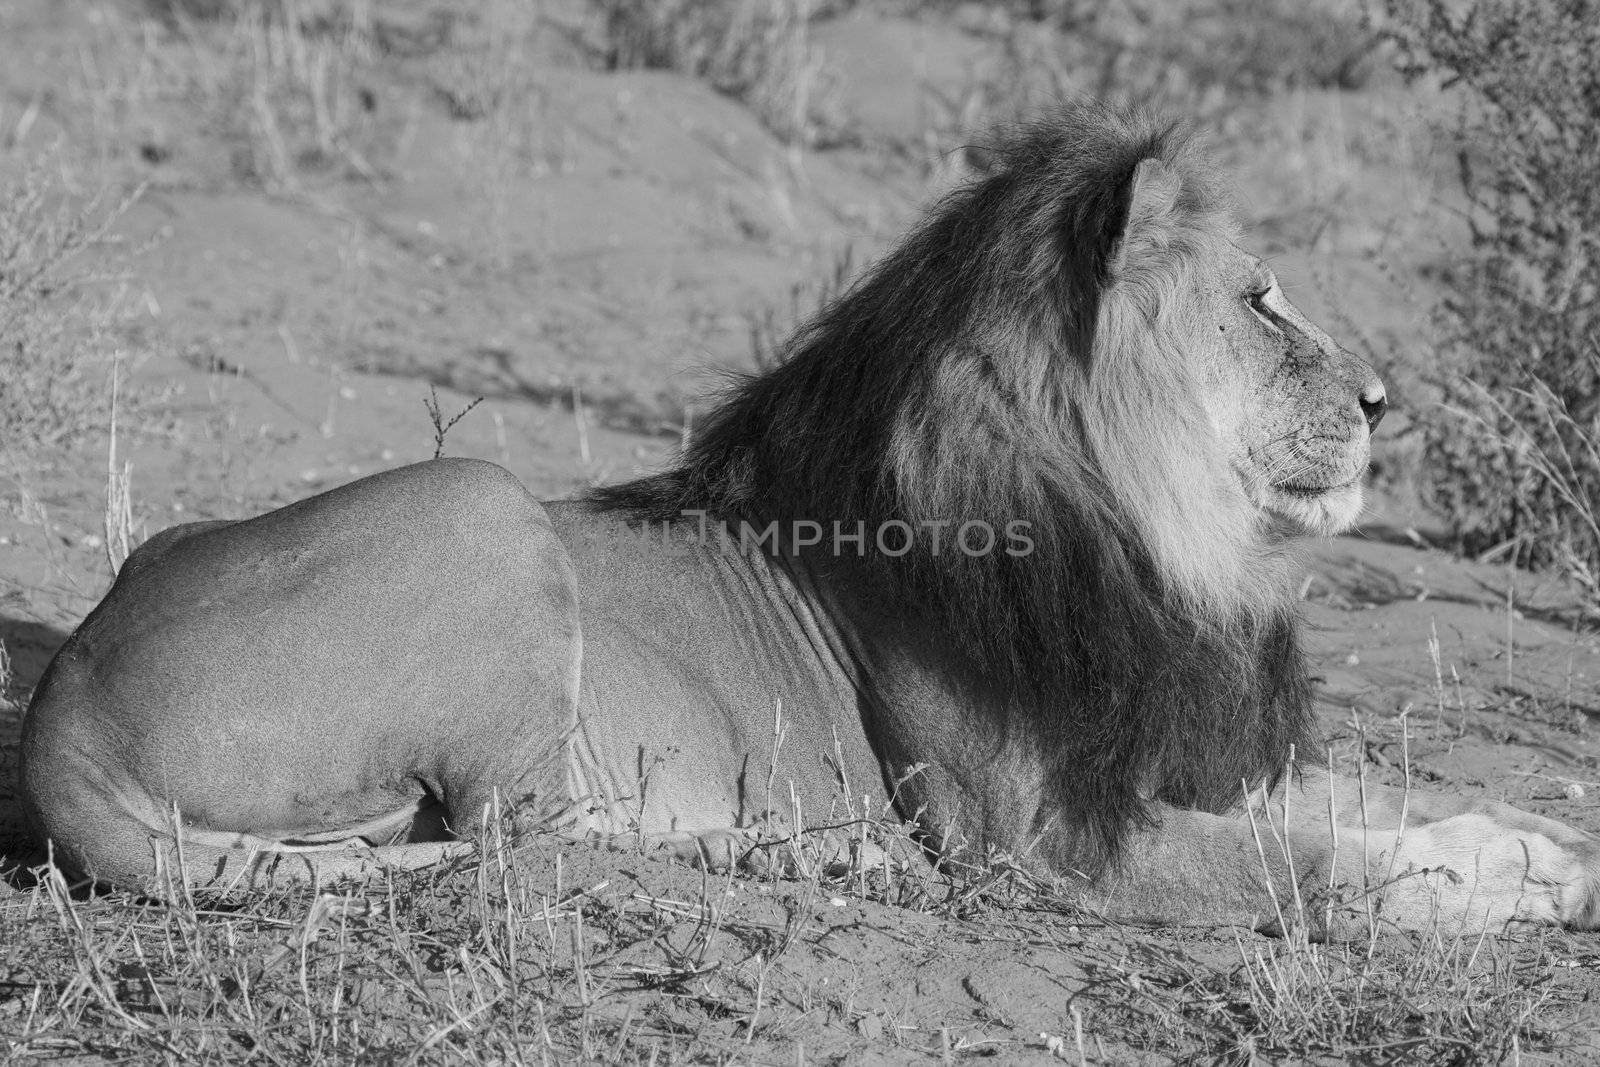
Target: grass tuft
{"x":60,"y":312}
{"x":759,"y":53}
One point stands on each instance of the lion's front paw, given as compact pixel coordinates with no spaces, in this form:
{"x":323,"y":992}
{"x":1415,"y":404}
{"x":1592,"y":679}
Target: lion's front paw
{"x":1472,"y":872}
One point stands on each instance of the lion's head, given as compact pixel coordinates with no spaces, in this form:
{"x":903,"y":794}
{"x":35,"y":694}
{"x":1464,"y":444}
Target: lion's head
{"x":1293,"y":410}
{"x":1077,"y":341}
{"x":1226,"y":418}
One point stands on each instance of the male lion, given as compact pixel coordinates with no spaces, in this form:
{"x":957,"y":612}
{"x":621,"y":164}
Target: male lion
{"x":1004,"y":538}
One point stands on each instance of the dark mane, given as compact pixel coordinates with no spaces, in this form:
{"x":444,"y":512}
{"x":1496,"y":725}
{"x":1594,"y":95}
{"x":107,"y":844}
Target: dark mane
{"x":949,"y":383}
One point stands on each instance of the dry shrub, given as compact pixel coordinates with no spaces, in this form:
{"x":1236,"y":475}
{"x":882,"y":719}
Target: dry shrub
{"x":1512,"y":460}
{"x":1184,"y":55}
{"x":291,"y":91}
{"x":59,"y":325}
{"x":1436,"y":1000}
{"x":283,"y":89}
{"x":1251,"y":46}
{"x":284,"y":82}
{"x":758,"y":52}
{"x":1213,"y":61}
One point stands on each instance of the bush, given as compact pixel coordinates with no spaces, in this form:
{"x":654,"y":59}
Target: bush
{"x":284,"y":84}
{"x":1511,"y":456}
{"x":1241,"y":47}
{"x":58,"y":329}
{"x":756,"y":51}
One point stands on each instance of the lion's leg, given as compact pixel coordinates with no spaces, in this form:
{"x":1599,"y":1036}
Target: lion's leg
{"x":316,"y":675}
{"x":1463,"y":872}
{"x":1481,"y":840}
{"x":137,"y":849}
{"x":199,"y":865}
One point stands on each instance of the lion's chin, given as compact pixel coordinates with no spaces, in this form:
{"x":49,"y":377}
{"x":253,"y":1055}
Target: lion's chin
{"x":1320,"y":513}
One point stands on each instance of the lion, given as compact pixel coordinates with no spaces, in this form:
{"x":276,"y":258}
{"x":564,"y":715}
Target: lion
{"x":1003,"y":545}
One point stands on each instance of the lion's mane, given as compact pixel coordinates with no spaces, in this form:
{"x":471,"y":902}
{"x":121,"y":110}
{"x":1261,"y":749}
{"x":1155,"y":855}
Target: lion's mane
{"x":1020,"y":356}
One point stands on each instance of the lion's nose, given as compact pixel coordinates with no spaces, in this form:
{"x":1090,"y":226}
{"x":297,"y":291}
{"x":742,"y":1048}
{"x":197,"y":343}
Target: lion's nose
{"x":1374,"y":402}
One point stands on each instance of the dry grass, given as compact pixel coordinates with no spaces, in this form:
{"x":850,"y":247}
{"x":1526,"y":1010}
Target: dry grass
{"x":534,"y":950}
{"x":61,"y":310}
{"x":538,"y":952}
{"x":1388,"y":997}
{"x":495,"y":84}
{"x":283,"y":77}
{"x":1402,"y":1000}
{"x":759,"y":53}
{"x":279,"y":87}
{"x":1202,"y":60}
{"x":1555,"y":453}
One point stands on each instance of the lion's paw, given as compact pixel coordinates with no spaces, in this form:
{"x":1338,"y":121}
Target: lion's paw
{"x":1471,"y":872}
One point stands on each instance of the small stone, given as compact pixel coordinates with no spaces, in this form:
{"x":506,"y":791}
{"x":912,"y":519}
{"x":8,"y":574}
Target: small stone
{"x":1573,"y":791}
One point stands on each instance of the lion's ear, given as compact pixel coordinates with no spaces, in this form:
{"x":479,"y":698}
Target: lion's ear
{"x":1152,"y":202}
{"x":964,"y":165}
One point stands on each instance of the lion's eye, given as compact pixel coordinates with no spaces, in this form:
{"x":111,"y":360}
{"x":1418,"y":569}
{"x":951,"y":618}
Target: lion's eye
{"x":1258,"y":304}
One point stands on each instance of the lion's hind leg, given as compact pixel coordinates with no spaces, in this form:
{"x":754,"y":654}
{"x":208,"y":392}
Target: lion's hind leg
{"x":201,"y":865}
{"x":175,"y":857}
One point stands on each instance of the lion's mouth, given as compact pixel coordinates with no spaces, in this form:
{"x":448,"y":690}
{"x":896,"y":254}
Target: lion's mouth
{"x":1322,"y":510}
{"x":1303,"y":491}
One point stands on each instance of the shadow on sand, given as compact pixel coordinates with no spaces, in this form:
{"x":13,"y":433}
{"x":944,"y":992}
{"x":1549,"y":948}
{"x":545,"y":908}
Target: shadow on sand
{"x":29,"y":647}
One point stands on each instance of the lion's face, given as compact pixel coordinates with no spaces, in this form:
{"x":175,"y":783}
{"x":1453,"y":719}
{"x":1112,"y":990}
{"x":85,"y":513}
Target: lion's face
{"x":1294,"y":411}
